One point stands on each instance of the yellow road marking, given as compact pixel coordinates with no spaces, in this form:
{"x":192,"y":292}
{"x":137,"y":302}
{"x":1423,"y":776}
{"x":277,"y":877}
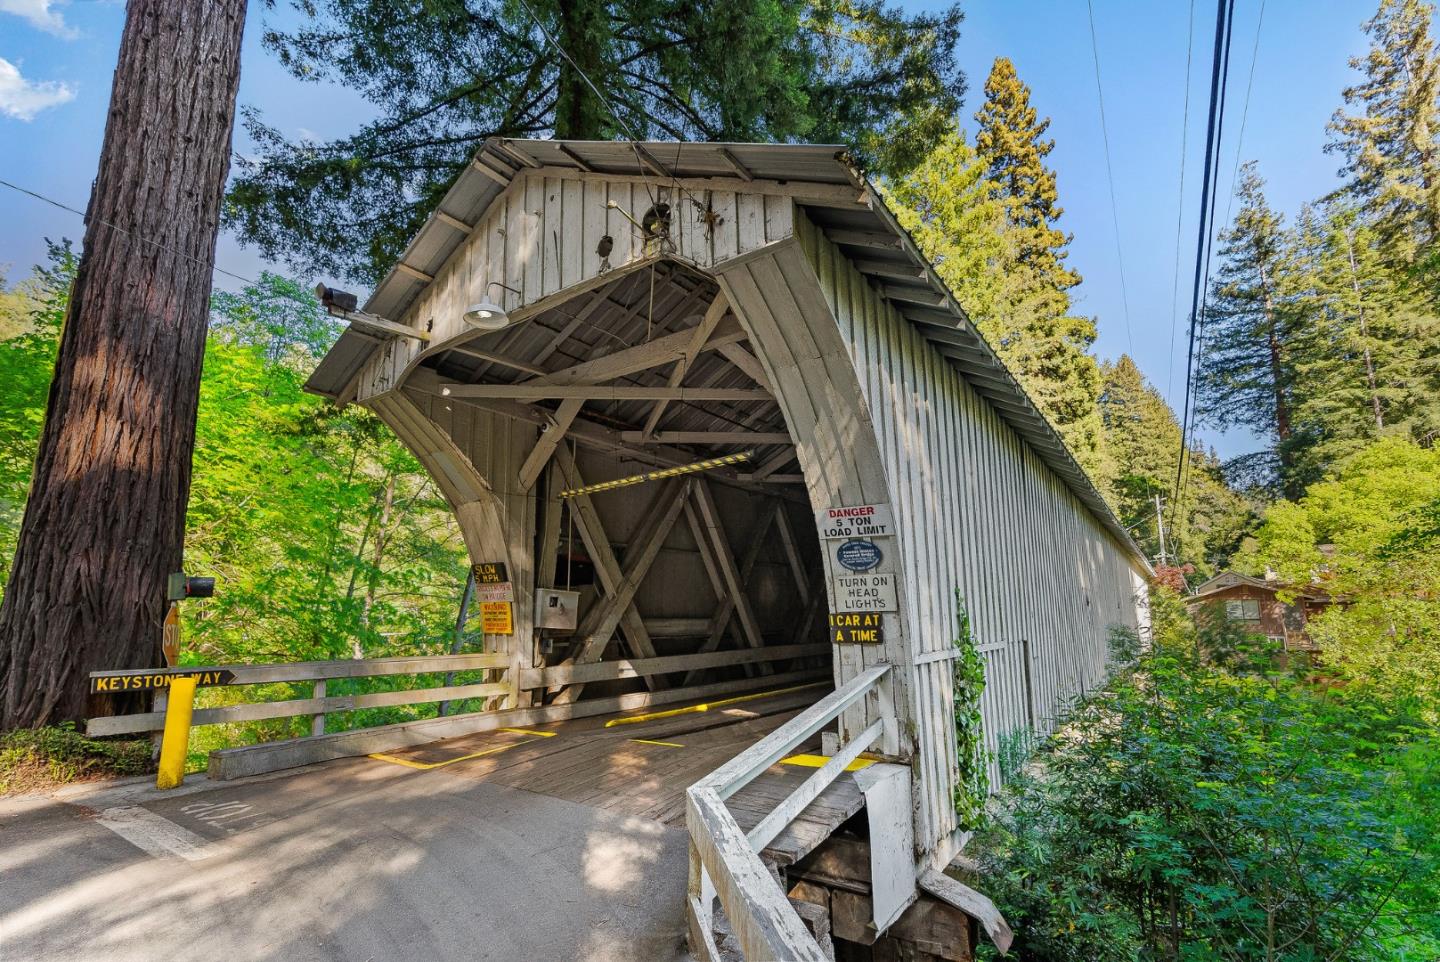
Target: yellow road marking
{"x":426,"y":766}
{"x":706,"y":706}
{"x":526,"y":731}
{"x":817,"y":761}
{"x":647,"y":741}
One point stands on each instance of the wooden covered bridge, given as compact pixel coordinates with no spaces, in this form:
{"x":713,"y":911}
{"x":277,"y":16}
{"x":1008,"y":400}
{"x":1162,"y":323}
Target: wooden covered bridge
{"x":576,"y":316}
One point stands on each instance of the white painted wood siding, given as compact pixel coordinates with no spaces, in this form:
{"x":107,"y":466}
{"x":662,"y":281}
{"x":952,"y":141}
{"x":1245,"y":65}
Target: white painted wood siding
{"x":980,"y":515}
{"x":540,"y":235}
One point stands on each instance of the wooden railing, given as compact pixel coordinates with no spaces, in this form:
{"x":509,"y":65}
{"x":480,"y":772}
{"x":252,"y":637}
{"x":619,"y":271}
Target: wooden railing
{"x":724,"y":859}
{"x":319,"y":704}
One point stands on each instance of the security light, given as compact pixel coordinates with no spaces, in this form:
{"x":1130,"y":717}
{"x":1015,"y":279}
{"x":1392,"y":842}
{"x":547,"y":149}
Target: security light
{"x":335,"y":300}
{"x":487,"y":315}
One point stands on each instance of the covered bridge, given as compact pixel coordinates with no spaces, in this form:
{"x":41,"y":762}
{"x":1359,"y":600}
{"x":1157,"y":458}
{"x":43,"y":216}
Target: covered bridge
{"x":578,"y":313}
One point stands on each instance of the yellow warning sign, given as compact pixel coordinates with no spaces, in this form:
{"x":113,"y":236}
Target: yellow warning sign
{"x":496,"y":618}
{"x":856,"y":628}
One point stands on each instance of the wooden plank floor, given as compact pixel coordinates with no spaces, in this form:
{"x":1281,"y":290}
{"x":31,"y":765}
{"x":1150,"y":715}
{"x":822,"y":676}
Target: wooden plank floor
{"x":643,"y":769}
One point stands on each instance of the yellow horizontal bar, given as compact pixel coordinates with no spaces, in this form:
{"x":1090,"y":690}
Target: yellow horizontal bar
{"x":706,"y":706}
{"x":426,"y":766}
{"x":647,"y":741}
{"x":527,"y":731}
{"x":818,"y":761}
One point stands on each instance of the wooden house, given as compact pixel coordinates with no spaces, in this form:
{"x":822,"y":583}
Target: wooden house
{"x":577,"y":315}
{"x":1253,"y":604}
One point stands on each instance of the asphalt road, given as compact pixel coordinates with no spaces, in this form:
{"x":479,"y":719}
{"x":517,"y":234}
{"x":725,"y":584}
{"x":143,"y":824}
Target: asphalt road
{"x":352,"y":860}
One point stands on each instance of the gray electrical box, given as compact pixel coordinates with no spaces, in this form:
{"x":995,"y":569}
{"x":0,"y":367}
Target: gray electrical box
{"x":556,"y":608}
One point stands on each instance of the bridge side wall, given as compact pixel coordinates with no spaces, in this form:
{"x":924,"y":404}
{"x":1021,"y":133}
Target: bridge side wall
{"x":982,"y":517}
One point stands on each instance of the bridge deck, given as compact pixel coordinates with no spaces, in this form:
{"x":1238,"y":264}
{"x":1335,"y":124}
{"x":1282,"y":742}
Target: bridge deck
{"x":643,"y":768}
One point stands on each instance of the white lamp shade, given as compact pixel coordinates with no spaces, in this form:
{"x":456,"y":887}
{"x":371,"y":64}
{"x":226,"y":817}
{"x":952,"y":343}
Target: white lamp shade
{"x":486,"y":316}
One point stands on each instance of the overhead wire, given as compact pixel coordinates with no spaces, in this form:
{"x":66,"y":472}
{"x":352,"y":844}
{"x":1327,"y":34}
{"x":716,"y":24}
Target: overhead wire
{"x":1219,"y":69}
{"x":1180,"y":206}
{"x":1110,"y":176}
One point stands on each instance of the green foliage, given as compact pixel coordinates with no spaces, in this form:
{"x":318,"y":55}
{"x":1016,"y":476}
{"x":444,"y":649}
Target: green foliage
{"x":1369,"y":536}
{"x":986,"y":216}
{"x":1389,"y":138}
{"x":34,"y":311}
{"x":446,"y":76}
{"x":972,"y":784}
{"x":1142,"y":440}
{"x":1191,"y":813}
{"x":40,"y":758}
{"x":327,"y":538}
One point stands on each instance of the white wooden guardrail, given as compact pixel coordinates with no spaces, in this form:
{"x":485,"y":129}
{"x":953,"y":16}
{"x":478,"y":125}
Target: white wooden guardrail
{"x":318,"y":672}
{"x":725,"y":860}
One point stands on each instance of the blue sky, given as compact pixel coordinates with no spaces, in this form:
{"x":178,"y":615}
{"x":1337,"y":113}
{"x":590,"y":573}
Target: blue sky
{"x":56,"y":61}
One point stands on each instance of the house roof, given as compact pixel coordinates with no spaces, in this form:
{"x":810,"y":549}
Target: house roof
{"x":871,"y":236}
{"x":1226,"y":580}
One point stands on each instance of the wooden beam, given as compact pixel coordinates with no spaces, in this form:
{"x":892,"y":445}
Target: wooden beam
{"x":775,"y":463}
{"x":913,"y":295}
{"x":502,"y":179}
{"x":500,"y":359}
{"x":725,"y":562}
{"x":698,"y":338}
{"x":792,"y":554}
{"x":576,"y":158}
{"x":639,"y":556}
{"x":453,"y":222}
{"x":602,"y":392}
{"x":370,"y":323}
{"x":865,"y":238}
{"x":706,"y":437}
{"x":739,"y":356}
{"x":592,"y":532}
{"x":539,"y":455}
{"x":638,"y":667}
{"x":740,"y":169}
{"x":888,"y":268}
{"x":641,"y":357}
{"x":414,"y":272}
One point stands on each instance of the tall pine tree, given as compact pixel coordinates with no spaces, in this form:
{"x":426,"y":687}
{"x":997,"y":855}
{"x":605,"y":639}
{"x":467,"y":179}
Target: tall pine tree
{"x":986,"y":216}
{"x":1142,"y":437}
{"x":1390,"y":139}
{"x":1247,"y":369}
{"x":446,"y":75}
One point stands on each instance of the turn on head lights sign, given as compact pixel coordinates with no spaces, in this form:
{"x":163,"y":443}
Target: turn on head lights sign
{"x":855,"y":554}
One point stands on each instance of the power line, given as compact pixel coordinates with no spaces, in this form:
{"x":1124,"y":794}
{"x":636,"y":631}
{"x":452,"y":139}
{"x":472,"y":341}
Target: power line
{"x":131,"y":234}
{"x":1219,"y":71}
{"x":1110,"y":175}
{"x":1245,"y":112}
{"x":1180,"y":207}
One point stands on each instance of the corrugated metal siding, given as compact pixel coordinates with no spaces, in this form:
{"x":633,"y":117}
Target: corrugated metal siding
{"x":982,"y":515}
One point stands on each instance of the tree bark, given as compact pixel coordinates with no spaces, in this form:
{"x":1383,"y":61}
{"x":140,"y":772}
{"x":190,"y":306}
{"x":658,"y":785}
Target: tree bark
{"x":105,"y":520}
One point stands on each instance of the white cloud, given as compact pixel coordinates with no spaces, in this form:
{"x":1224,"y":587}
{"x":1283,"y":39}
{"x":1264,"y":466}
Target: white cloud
{"x":23,"y":99}
{"x":41,"y":14}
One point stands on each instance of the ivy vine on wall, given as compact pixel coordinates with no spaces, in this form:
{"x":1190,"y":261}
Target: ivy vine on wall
{"x":972,"y":786}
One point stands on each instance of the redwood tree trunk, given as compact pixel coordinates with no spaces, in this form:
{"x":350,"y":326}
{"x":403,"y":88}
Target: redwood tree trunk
{"x":105,"y":520}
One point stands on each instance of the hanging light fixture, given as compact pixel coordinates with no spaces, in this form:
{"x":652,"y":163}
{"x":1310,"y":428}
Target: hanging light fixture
{"x":488,"y":315}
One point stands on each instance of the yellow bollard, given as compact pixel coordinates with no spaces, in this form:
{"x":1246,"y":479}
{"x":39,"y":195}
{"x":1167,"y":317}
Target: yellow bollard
{"x":176,"y":743}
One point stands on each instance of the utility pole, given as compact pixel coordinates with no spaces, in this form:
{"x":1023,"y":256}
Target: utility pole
{"x":1160,"y":524}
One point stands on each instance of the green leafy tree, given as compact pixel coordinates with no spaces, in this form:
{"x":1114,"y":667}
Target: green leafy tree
{"x":1193,"y":813}
{"x":1369,"y":536}
{"x":1367,"y":349}
{"x":449,"y":75}
{"x":1390,"y":138}
{"x":985,"y":215}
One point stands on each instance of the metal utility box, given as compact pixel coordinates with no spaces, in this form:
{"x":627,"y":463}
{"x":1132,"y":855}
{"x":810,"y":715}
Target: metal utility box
{"x":556,"y":608}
